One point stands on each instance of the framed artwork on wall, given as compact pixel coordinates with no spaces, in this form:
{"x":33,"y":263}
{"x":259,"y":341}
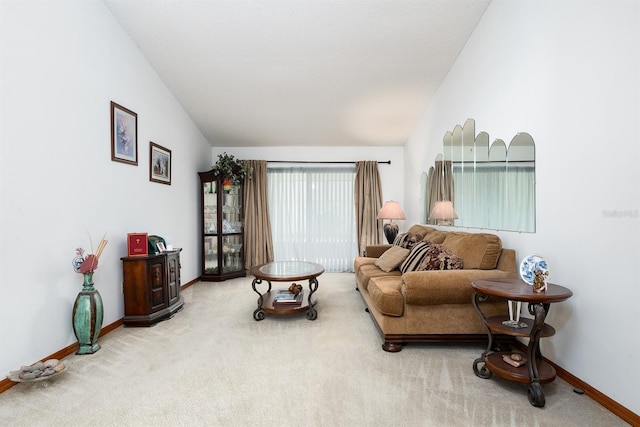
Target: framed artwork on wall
{"x":159,"y":164}
{"x":124,"y":135}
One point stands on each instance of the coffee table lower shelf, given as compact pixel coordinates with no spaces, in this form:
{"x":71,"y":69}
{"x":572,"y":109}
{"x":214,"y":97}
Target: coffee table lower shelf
{"x":269,"y":307}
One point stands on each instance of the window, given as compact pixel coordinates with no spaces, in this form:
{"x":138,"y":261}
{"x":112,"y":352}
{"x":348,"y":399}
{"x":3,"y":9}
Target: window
{"x":312,"y":215}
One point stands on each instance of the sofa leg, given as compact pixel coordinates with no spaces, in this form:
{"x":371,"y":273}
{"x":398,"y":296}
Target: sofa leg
{"x":391,"y":347}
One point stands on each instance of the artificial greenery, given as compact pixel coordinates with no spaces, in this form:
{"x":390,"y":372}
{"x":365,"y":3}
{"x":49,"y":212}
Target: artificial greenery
{"x":229,"y":166}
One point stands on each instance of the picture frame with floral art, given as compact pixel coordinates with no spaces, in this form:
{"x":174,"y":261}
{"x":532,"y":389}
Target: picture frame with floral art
{"x":124,"y":135}
{"x":159,"y":164}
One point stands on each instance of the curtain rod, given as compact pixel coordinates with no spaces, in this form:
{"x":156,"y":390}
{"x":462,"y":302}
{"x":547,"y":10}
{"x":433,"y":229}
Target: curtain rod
{"x":491,"y":161}
{"x":388,"y":162}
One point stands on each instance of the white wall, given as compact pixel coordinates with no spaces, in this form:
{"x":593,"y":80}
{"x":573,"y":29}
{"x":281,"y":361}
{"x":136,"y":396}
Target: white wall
{"x":568,"y":73}
{"x":62,"y":63}
{"x":392,"y":176}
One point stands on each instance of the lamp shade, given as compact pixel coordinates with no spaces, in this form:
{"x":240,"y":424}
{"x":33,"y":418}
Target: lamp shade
{"x":443,"y":211}
{"x":391,"y":210}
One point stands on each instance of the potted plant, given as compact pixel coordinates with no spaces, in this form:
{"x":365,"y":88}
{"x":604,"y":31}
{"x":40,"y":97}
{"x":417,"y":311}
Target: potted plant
{"x":234,"y":170}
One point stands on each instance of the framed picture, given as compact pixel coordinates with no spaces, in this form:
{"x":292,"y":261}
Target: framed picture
{"x":159,"y":164}
{"x":161,"y":247}
{"x":124,"y":135}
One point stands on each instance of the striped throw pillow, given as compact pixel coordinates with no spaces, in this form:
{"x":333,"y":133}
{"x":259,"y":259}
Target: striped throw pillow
{"x":415,"y":258}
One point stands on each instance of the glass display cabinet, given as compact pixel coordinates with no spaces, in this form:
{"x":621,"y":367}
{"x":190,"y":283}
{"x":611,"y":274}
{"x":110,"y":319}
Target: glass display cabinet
{"x":222,"y":227}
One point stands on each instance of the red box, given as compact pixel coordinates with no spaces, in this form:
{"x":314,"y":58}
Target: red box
{"x":137,"y":244}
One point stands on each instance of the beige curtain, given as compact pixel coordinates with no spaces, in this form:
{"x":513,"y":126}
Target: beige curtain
{"x":440,"y":184}
{"x":258,"y":243}
{"x":368,"y":201}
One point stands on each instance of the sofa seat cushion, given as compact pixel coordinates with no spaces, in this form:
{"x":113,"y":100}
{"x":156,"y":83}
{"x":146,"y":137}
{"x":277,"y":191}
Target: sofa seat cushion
{"x":368,"y":271}
{"x":386,"y":294}
{"x":391,"y":258}
{"x":479,"y":251}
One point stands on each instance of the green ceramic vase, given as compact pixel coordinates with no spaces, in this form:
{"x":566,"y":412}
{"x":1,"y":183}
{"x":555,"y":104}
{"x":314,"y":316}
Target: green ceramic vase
{"x":87,"y":317}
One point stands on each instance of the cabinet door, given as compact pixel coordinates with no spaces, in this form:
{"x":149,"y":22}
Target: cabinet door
{"x":210,"y":226}
{"x":158,"y":294}
{"x":232,"y":259}
{"x":173,"y":274}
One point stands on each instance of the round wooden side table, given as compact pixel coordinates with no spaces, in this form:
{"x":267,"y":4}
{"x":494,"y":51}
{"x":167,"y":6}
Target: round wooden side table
{"x":535,"y":371}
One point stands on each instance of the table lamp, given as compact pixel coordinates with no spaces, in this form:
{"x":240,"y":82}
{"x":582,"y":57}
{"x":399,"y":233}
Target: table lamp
{"x":443,"y":213}
{"x":391,"y":210}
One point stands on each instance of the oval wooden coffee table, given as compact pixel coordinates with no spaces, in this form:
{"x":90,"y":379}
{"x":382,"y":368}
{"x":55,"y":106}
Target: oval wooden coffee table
{"x":286,"y":271}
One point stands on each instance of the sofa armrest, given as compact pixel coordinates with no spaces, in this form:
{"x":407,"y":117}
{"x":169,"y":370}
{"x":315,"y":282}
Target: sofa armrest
{"x":374,"y":251}
{"x":434,"y":287}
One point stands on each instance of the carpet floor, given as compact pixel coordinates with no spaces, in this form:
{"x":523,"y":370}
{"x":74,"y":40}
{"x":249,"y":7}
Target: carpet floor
{"x":212,"y":364}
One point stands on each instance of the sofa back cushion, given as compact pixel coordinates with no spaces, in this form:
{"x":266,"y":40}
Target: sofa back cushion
{"x":435,"y":236}
{"x":477,"y":250}
{"x":426,"y":233}
{"x":420,"y":230}
{"x":406,"y":240}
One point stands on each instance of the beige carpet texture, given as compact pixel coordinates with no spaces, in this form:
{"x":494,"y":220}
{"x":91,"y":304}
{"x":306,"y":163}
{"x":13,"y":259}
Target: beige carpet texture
{"x":212,"y":364}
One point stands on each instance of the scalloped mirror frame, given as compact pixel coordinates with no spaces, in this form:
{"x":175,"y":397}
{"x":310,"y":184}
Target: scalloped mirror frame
{"x":485,"y":193}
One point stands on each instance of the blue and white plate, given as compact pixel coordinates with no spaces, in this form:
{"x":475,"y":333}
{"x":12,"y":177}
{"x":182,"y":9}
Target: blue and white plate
{"x":529,"y":265}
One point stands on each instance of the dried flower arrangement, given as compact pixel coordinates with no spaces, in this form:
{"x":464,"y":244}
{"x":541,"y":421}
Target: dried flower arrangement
{"x":88,"y":263}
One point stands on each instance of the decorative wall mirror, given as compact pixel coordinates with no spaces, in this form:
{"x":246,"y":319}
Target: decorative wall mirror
{"x":491,"y":186}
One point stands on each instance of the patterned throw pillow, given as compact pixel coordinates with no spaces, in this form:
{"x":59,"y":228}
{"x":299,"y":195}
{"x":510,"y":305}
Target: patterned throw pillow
{"x":406,"y":240}
{"x":431,"y":256}
{"x":440,"y":258}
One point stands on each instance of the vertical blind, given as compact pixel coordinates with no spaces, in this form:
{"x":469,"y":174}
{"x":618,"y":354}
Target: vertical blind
{"x":312,"y":215}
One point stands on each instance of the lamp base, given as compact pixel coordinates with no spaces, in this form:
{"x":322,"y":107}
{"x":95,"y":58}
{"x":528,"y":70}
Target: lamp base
{"x":390,"y":231}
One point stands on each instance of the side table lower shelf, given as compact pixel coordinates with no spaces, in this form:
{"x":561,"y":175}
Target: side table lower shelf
{"x":495,"y":324}
{"x":494,"y":362}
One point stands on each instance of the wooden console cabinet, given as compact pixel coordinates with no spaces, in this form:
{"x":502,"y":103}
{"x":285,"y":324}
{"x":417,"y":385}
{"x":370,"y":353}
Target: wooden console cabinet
{"x":151,"y":288}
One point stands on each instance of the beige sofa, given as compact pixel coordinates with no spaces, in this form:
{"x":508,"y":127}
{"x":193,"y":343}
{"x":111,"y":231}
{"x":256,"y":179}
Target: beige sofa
{"x":433,"y":305}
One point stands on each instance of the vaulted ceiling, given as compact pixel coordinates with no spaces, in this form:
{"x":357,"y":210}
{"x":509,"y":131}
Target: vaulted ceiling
{"x":301,"y":72}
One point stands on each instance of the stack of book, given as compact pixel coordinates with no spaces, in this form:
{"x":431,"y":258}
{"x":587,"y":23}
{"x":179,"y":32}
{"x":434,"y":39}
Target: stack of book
{"x":285,"y":298}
